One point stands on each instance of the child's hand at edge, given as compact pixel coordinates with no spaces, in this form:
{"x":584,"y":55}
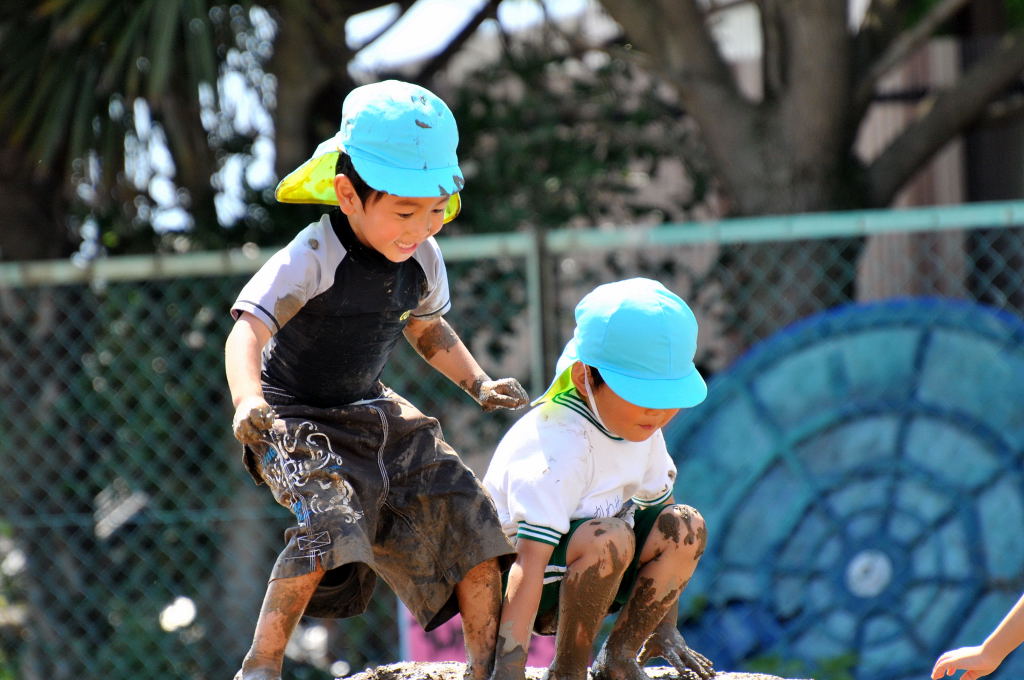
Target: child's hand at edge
{"x":253,"y":417}
{"x":972,"y":660}
{"x":500,"y":393}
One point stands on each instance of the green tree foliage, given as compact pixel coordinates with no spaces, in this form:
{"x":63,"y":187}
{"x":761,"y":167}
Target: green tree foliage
{"x":552,"y":138}
{"x":71,"y":75}
{"x":59,"y":97}
{"x":575,"y":161}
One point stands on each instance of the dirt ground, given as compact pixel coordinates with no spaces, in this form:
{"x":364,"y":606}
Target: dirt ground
{"x":452,"y":670}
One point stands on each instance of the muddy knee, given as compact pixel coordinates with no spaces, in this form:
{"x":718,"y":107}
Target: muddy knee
{"x":608,"y":542}
{"x":684,"y":527}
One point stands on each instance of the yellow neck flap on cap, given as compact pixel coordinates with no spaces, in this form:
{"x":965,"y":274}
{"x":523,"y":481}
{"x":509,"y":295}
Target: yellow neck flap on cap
{"x":561,"y":383}
{"x":313,"y":182}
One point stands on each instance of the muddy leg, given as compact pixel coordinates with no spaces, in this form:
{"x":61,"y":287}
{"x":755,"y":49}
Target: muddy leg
{"x":283,"y":605}
{"x":668,"y":560}
{"x":479,"y":595}
{"x":597,"y":556}
{"x":510,"y":658}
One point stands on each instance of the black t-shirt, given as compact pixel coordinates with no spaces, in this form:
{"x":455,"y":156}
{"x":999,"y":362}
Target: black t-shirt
{"x":353,"y":304}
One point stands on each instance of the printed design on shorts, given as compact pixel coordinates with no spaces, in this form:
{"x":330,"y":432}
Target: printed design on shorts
{"x":317,"y":541}
{"x":298,"y":477}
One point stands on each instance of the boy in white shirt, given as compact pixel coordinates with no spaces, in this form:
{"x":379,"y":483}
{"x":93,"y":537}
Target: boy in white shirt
{"x":583,"y":484}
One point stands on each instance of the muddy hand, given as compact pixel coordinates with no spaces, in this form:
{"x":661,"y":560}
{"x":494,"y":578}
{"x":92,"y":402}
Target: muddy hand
{"x":253,"y":417}
{"x":502,"y":393}
{"x":666,"y":642}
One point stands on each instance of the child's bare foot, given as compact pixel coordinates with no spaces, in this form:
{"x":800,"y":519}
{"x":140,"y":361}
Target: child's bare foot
{"x":552,"y":674}
{"x":257,"y":674}
{"x":608,"y":668}
{"x":509,"y":665}
{"x":476,"y":671}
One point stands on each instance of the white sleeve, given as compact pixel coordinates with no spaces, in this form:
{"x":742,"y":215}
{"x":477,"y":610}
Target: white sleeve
{"x":437,"y":300}
{"x":290,"y":278}
{"x":660,"y":476}
{"x":546,"y":487}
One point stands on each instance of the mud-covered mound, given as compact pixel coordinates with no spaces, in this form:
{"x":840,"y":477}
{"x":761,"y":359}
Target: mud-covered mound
{"x":453,"y":670}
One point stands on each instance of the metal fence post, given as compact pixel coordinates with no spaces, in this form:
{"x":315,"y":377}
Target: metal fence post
{"x":536,"y":315}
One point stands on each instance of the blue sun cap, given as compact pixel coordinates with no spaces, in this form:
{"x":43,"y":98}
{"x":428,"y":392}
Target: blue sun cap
{"x":402,"y":140}
{"x":642,"y":337}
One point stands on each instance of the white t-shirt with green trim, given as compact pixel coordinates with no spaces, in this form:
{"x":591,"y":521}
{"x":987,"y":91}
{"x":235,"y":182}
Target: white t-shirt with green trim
{"x":558,"y":464}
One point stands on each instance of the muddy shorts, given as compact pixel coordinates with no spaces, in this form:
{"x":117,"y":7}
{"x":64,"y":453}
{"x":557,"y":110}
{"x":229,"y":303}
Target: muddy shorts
{"x":376,"y":491}
{"x":643,"y":522}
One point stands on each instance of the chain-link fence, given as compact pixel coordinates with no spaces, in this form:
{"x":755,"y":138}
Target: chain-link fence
{"x":132,"y":542}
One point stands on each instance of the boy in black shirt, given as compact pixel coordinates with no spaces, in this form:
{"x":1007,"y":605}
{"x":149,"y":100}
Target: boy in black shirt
{"x":374,"y":487}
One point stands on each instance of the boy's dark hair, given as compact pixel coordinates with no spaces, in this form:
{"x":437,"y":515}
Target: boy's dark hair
{"x":364,"y":191}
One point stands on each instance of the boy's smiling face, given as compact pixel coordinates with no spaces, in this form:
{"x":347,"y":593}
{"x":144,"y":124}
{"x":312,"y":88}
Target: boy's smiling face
{"x":622,"y":418}
{"x":394,"y":226}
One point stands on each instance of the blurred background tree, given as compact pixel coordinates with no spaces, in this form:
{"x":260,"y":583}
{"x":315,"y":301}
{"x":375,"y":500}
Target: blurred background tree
{"x":142,"y":127}
{"x":791,"y":148}
{"x":119,"y":115}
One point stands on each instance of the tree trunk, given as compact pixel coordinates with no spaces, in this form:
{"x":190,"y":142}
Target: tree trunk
{"x":33,"y":221}
{"x":304,"y":76}
{"x":766,"y":286}
{"x":782,"y":155}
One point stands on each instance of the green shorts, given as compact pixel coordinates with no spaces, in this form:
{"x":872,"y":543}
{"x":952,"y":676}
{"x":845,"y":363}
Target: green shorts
{"x":643,"y":522}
